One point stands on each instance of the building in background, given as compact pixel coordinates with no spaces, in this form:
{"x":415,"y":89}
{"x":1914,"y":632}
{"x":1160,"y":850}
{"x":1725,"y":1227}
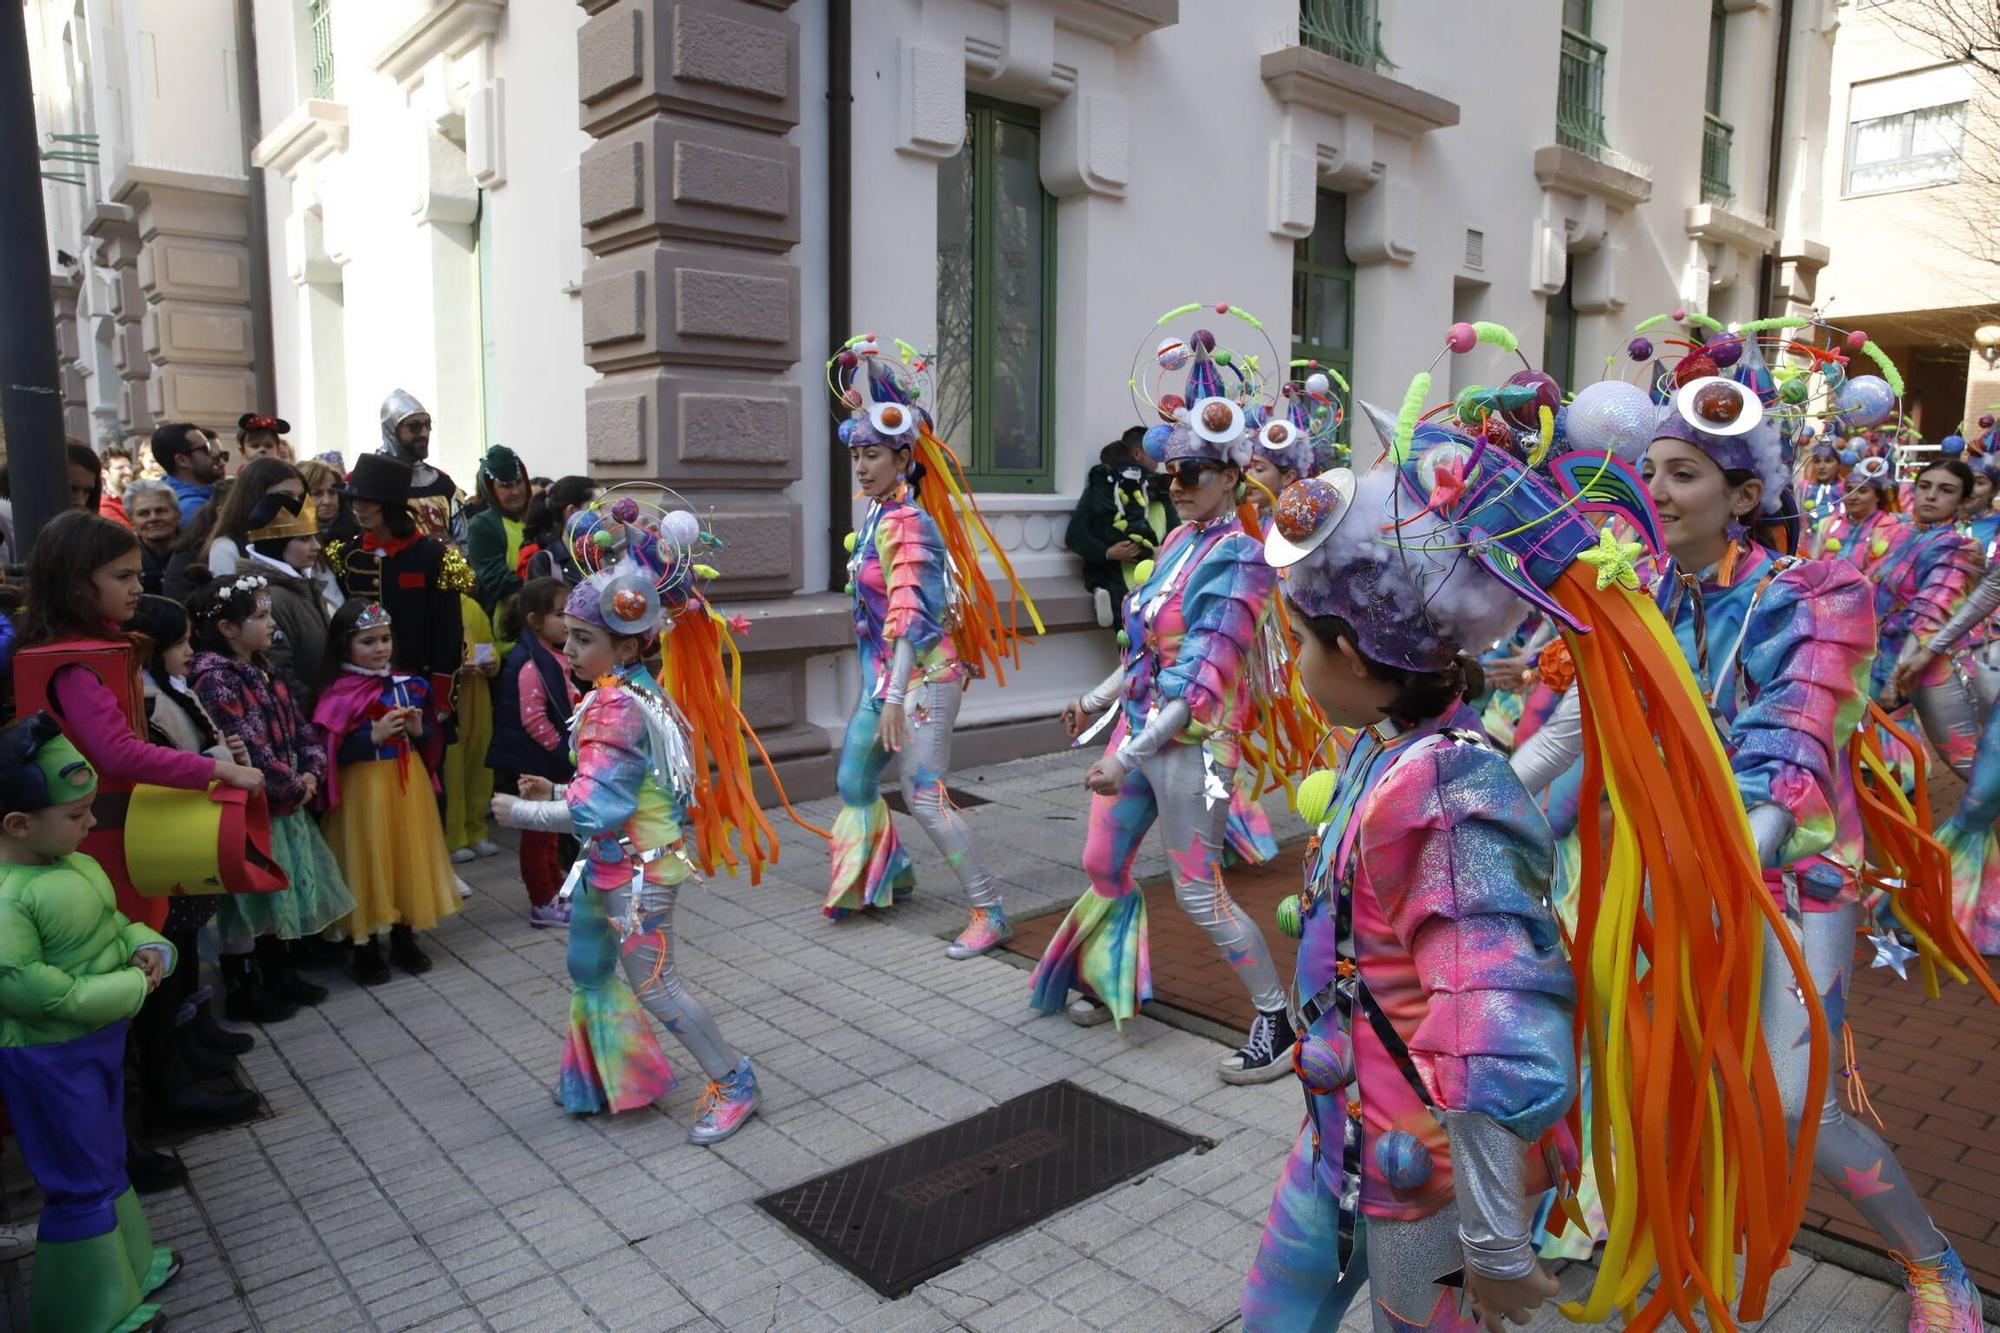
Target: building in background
{"x":1909,"y":211}
{"x":621,"y":235}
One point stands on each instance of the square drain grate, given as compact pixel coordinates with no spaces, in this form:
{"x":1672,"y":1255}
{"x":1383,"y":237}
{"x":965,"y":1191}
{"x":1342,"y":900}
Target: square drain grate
{"x":912,"y":1211}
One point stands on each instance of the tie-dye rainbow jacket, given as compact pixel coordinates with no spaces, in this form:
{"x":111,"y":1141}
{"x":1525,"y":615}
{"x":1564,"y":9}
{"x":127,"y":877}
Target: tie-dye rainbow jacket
{"x":1192,"y":631}
{"x":1449,"y":863}
{"x":898,"y":579}
{"x":1919,"y":583}
{"x":617,"y":793}
{"x":1782,"y":651}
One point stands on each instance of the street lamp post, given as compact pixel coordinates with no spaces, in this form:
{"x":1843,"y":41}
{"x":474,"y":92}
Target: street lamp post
{"x":1987,"y":336}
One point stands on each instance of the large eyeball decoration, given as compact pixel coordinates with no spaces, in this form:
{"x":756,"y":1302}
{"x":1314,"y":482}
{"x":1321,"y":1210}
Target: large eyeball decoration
{"x":1277,"y":436}
{"x":628,"y":603}
{"x":1216,"y":420}
{"x":1171,"y":354}
{"x":1306,"y":514}
{"x":1870,"y":471}
{"x":892,"y":419}
{"x":1718,"y":406}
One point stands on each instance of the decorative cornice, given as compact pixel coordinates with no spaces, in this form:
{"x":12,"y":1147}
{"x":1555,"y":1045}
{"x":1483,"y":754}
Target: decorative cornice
{"x":1117,"y":20}
{"x":446,"y":28}
{"x":315,"y":128}
{"x":1316,"y":81}
{"x":1562,"y":168}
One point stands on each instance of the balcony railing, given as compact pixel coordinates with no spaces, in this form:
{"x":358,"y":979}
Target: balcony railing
{"x":1580,"y":95}
{"x":319,"y":17}
{"x":1346,"y":29}
{"x":1717,"y":136}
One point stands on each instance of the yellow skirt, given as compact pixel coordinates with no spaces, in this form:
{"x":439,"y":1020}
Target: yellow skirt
{"x":386,"y":835}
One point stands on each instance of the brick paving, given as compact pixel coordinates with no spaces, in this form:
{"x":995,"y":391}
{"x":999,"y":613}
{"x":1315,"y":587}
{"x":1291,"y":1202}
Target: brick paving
{"x":414,"y":1174}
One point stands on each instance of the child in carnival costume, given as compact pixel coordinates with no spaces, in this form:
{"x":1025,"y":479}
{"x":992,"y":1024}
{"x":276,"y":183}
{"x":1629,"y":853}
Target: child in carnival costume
{"x":1428,"y":883}
{"x":1781,"y":648}
{"x":73,"y":973}
{"x":1867,"y":525}
{"x":1819,"y":488}
{"x":1204,"y":665}
{"x":926,"y":623}
{"x":661,"y":783}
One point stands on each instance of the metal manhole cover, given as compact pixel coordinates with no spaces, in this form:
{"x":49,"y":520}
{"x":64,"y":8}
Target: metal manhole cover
{"x":912,"y":1211}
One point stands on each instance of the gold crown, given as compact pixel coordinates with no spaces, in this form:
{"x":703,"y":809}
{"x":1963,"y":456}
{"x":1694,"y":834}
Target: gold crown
{"x":305,"y":523}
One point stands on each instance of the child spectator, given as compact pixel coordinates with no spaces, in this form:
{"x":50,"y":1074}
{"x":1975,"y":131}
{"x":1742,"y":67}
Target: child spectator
{"x":383,"y":822}
{"x":249,"y":702}
{"x":1118,"y":521}
{"x":73,"y":972}
{"x":534,"y":701}
{"x":283,"y":546}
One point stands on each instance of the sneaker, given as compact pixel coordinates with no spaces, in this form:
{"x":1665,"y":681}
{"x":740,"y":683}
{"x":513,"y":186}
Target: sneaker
{"x":17,"y":1241}
{"x":486,"y":847}
{"x":1101,"y":600}
{"x":552,"y":913}
{"x":464,"y":889}
{"x":463,"y":855}
{"x":725,"y":1105}
{"x":1942,"y":1297}
{"x":1268,"y":1053}
{"x":988,"y":929}
{"x":1087,"y":1013}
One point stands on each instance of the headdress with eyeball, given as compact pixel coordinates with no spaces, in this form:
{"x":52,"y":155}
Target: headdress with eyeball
{"x":643,"y":548}
{"x":1436,"y":548}
{"x":1195,"y":393}
{"x":878,"y":396}
{"x":1299,"y":431}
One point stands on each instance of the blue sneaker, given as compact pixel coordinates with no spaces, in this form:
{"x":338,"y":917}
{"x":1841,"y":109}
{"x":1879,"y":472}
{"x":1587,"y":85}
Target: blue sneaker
{"x":1942,"y":1297}
{"x":725,"y":1105}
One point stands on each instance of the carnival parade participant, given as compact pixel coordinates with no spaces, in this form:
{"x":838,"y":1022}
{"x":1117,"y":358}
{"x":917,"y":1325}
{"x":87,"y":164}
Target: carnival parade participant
{"x":1190,"y":683}
{"x":1819,"y":495}
{"x":1431,"y":880}
{"x":382,"y":815}
{"x":631,"y":802}
{"x":1866,"y":528}
{"x":926,"y":623}
{"x":249,"y":701}
{"x":1781,"y":649}
{"x":494,"y":536}
{"x":73,"y":971}
{"x":435,"y":502}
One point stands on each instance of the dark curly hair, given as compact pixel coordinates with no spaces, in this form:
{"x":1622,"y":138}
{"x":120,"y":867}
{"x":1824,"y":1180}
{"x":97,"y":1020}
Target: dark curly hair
{"x":1420,"y":695}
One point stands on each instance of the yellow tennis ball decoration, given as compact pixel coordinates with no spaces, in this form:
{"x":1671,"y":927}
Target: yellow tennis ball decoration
{"x":1142,"y":573}
{"x":1315,"y":799}
{"x":848,"y":542}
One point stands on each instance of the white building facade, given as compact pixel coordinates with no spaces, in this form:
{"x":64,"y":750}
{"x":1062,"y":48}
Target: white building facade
{"x":621,"y":235}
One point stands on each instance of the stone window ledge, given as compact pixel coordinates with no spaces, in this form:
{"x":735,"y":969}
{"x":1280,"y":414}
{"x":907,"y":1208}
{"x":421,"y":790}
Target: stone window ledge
{"x":448,"y":28}
{"x":1622,"y":183}
{"x":1117,"y":20}
{"x":1316,"y":81}
{"x":315,"y":128}
{"x":1713,"y":223}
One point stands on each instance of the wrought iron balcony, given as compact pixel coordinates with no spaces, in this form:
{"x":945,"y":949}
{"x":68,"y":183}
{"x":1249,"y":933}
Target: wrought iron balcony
{"x":1717,"y":137}
{"x":1580,"y":95}
{"x":1346,"y":29}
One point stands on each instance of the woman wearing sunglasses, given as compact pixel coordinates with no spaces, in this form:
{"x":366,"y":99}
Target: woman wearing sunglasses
{"x":1184,"y":697}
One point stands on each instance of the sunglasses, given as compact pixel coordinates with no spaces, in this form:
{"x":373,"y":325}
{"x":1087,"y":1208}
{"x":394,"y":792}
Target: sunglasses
{"x":1188,"y":471}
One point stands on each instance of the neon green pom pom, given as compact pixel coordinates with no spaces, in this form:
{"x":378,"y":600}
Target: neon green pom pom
{"x":602,"y":540}
{"x":1221,"y":356}
{"x":1291,"y":921}
{"x":1315,"y":799}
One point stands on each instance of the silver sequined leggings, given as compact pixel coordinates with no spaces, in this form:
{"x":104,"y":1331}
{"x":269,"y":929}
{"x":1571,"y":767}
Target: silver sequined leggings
{"x":922,"y":764}
{"x":1848,"y":1153}
{"x":647,"y":956}
{"x":1170,"y":787}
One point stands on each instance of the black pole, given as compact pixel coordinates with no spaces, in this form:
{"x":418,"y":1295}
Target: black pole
{"x":30,"y":392}
{"x":840,"y":260}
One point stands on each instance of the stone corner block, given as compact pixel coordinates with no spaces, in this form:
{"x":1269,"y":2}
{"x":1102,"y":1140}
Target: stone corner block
{"x":654,"y":304}
{"x":668,"y":177}
{"x":715,"y":59}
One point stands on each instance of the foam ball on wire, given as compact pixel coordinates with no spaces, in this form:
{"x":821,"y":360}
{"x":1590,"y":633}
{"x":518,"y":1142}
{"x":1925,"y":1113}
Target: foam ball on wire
{"x":1404,"y":1160}
{"x":1611,"y":416}
{"x":1202,"y":341}
{"x":680,"y":528}
{"x":1461,"y":337}
{"x":1951,"y":446}
{"x":1171,"y":354}
{"x":1985,"y":421}
{"x":1325,"y":1065}
{"x":1547,"y":394}
{"x":1793,"y":391}
{"x":1856,"y":340}
{"x":1639,"y":349}
{"x":1680,"y":313}
{"x":1726,"y":351}
{"x":1698,"y":365}
{"x":1865,"y":400}
{"x":1317,"y":383}
{"x":1314,"y":800}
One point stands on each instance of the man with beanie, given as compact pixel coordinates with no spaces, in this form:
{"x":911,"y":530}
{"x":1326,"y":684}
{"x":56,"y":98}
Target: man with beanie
{"x":435,"y":500}
{"x":73,"y":972}
{"x":494,"y":536}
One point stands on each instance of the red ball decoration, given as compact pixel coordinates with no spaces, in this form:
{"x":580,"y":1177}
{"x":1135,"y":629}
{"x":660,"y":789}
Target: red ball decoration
{"x":1222,"y":307}
{"x":1170,"y":405}
{"x":1680,"y":312}
{"x":848,"y":360}
{"x":1856,"y":340}
{"x":1693,"y":368}
{"x":1461,"y":337}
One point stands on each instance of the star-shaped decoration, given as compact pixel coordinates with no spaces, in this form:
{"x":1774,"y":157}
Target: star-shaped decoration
{"x":1613,"y":560}
{"x":1860,"y":1185}
{"x":1891,"y":952}
{"x":739,"y":625}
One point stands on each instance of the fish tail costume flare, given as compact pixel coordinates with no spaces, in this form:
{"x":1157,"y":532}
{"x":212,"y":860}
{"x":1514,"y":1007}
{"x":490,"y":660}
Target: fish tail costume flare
{"x":1781,"y":651}
{"x":69,"y":985}
{"x":1203,"y":689}
{"x":927,"y":622}
{"x":662,"y":790}
{"x":1668,"y":968}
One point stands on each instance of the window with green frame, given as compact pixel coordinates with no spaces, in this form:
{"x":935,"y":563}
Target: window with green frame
{"x":996,"y":285}
{"x":1323,"y":291}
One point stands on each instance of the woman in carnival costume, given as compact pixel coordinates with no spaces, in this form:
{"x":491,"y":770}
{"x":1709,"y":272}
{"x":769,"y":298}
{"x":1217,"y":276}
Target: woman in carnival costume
{"x":1780,"y":649}
{"x":1867,"y":526}
{"x":1439,"y":1055}
{"x":648,"y":809}
{"x":926,"y":623}
{"x":1294,"y":437}
{"x":1203,"y":666}
{"x":1819,"y":488}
